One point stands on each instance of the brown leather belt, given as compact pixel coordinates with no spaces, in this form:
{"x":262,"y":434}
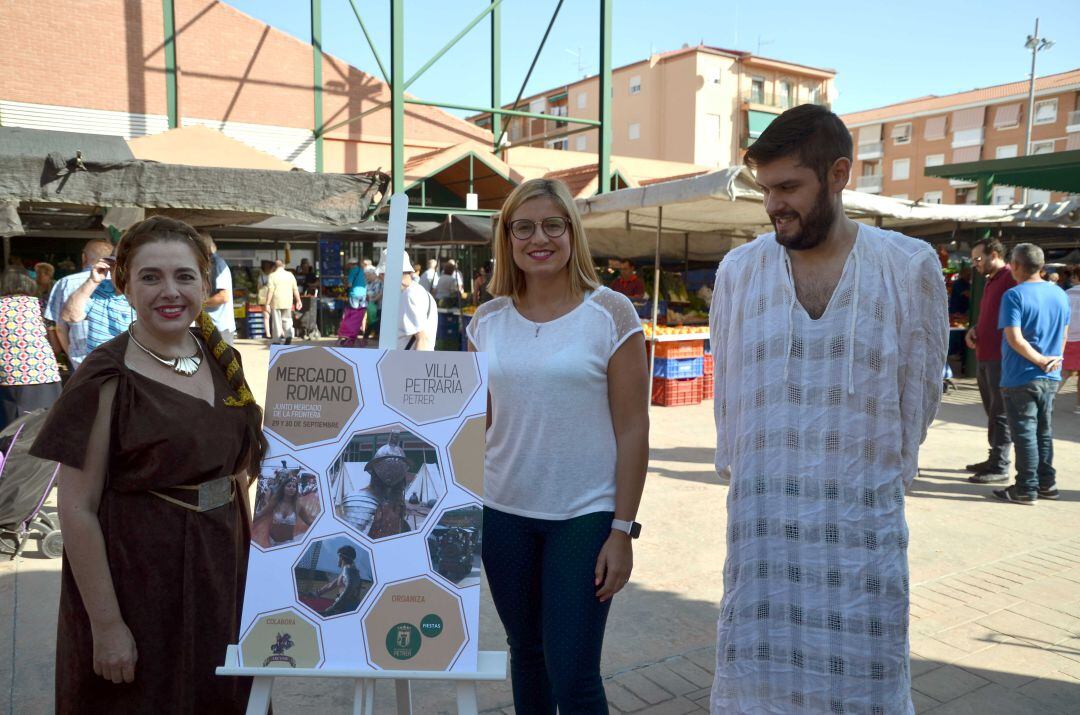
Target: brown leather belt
{"x":211,"y":494}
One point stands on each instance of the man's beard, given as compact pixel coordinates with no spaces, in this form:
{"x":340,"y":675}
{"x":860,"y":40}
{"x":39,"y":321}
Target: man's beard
{"x":814,"y":226}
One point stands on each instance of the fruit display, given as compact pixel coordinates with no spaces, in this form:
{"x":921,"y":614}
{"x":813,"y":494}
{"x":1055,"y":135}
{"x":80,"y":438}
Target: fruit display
{"x":673,"y":329}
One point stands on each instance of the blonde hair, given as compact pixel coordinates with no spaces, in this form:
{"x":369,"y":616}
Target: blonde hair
{"x":508,"y":279}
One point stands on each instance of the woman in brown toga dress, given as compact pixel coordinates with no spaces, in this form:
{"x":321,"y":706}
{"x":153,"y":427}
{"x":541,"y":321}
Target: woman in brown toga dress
{"x":154,"y":565}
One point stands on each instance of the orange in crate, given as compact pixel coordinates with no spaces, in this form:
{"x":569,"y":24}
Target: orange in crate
{"x":679,"y":349}
{"x":670,"y":393}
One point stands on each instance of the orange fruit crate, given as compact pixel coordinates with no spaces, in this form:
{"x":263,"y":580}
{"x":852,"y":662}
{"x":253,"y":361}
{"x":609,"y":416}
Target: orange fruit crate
{"x":672,"y":393}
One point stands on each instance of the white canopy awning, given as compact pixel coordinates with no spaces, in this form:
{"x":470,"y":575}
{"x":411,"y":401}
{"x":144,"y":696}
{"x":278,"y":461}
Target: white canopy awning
{"x":716,"y":212}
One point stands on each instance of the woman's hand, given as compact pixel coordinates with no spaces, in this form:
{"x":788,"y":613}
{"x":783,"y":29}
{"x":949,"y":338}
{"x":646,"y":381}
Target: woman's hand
{"x":114,"y":653}
{"x":613,"y":565}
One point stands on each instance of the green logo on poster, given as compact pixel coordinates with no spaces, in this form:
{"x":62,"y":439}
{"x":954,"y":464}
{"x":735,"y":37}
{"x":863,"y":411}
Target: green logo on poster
{"x":403,"y":641}
{"x":431,"y":625}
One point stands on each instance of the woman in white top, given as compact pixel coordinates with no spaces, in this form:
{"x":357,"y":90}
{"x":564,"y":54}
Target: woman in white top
{"x":567,"y":448}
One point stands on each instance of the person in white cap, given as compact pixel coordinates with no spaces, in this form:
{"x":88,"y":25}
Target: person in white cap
{"x":418,"y":315}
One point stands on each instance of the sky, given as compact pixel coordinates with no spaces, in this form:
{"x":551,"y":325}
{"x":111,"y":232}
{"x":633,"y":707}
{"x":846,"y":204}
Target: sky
{"x":883,"y":52}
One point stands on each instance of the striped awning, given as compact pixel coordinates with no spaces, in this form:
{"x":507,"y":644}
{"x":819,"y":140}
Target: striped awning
{"x":1007,"y":115}
{"x":935,"y":128}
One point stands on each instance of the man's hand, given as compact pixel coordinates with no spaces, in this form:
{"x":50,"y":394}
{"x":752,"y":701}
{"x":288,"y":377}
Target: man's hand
{"x":969,"y":338}
{"x":1052,"y":364}
{"x":101,"y":269}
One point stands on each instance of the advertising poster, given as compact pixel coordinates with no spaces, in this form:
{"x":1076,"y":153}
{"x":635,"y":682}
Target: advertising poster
{"x":365,"y":544}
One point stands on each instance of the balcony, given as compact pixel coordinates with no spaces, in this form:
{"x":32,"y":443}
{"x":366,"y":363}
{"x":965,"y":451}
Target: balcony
{"x":767,"y":99}
{"x":869,"y":152}
{"x":777,"y":102}
{"x":1072,"y":124}
{"x":869,"y":184}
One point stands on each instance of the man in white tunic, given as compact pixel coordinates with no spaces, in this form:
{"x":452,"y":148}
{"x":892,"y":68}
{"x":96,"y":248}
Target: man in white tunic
{"x":829,"y":340}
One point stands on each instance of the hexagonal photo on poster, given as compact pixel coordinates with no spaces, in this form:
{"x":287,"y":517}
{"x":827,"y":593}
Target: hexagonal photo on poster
{"x":454,"y":545}
{"x":467,"y":454}
{"x":415,"y":625}
{"x":281,"y":639}
{"x":287,"y":502}
{"x":386,"y":482}
{"x":333,"y":576}
{"x":311,"y":396}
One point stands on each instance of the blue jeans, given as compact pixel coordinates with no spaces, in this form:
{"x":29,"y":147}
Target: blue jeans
{"x":1029,"y":408}
{"x":541,"y":576}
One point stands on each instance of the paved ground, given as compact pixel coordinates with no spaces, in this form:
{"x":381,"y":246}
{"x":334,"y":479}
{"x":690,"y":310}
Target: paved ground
{"x":995,"y":588}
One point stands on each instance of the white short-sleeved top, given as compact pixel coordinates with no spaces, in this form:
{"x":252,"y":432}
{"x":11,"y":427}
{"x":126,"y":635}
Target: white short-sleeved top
{"x":551,"y":446}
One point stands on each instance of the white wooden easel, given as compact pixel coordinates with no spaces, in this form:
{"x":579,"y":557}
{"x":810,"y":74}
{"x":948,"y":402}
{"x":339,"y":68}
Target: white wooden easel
{"x":490,"y":666}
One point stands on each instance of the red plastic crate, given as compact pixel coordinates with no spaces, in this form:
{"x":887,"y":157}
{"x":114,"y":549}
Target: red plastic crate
{"x":707,"y":387}
{"x":708,"y":365}
{"x":670,"y":393}
{"x":679,"y":349}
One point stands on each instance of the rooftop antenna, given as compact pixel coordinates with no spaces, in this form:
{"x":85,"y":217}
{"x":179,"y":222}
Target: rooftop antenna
{"x":760,"y":43}
{"x":581,"y":68}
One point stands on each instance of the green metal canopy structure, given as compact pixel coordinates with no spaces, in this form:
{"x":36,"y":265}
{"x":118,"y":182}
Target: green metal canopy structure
{"x":1057,"y":171}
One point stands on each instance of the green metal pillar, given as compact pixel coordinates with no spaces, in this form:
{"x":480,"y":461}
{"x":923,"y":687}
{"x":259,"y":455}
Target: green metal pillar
{"x":397,"y":94}
{"x":496,"y":72}
{"x":316,"y":60}
{"x":172,"y":106}
{"x":604,"y":168}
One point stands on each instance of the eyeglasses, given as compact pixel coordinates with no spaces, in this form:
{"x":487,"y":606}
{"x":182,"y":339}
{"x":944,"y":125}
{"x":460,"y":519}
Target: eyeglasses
{"x":523,"y":229}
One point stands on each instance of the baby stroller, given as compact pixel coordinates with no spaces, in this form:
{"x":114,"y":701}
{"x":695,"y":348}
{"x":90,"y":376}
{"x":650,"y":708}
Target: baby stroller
{"x":25,"y":484}
{"x":306,"y":321}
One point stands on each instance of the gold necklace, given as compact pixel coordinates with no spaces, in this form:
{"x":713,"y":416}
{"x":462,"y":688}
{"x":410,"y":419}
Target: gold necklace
{"x":186,"y":366}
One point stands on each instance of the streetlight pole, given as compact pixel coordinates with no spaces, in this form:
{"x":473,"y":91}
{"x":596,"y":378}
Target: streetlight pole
{"x":1034,"y":43}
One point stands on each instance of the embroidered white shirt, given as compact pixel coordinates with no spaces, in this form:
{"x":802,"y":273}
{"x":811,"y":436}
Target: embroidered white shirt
{"x":820,"y":423}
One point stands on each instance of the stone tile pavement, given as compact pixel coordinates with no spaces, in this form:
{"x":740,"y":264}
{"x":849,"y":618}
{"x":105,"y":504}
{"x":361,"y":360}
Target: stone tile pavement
{"x":982,"y":641}
{"x":995,"y":615}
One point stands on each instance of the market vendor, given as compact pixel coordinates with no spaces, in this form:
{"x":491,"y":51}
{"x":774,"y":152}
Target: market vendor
{"x":628,"y":283}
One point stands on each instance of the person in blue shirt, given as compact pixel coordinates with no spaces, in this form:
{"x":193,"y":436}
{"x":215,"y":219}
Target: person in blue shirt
{"x":1035,"y":320}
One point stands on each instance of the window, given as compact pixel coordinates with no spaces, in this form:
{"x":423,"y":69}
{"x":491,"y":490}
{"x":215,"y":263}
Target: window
{"x":582,"y":99}
{"x":901,"y":133}
{"x":1046,"y":111}
{"x":902,"y":197}
{"x":901,"y":169}
{"x":967,"y":137}
{"x":635,"y":131}
{"x":935,"y":159}
{"x":815,"y":95}
{"x":1004,"y":195}
{"x":1038,"y":196}
{"x":871,"y":168}
{"x":635,"y":84}
{"x":1005,"y":152}
{"x":560,"y":144}
{"x":581,"y":143}
{"x":1044,"y":147}
{"x":783,"y":93}
{"x":757,"y":90}
{"x":932,"y":197}
{"x":966,"y":196}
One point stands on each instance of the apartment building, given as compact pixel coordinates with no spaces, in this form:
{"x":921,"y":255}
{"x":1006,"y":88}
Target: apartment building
{"x":699,"y":105}
{"x":894,"y":144}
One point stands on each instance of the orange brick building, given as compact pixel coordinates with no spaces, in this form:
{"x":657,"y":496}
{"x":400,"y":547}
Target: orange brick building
{"x":98,"y":66}
{"x":894,"y":144}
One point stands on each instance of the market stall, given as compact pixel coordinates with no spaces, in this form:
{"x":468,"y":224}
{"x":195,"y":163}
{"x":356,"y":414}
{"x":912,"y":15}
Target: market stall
{"x":62,"y":185}
{"x":702,"y":218}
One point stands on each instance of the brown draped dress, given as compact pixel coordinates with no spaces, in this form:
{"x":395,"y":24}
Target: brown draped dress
{"x":179,"y":574}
